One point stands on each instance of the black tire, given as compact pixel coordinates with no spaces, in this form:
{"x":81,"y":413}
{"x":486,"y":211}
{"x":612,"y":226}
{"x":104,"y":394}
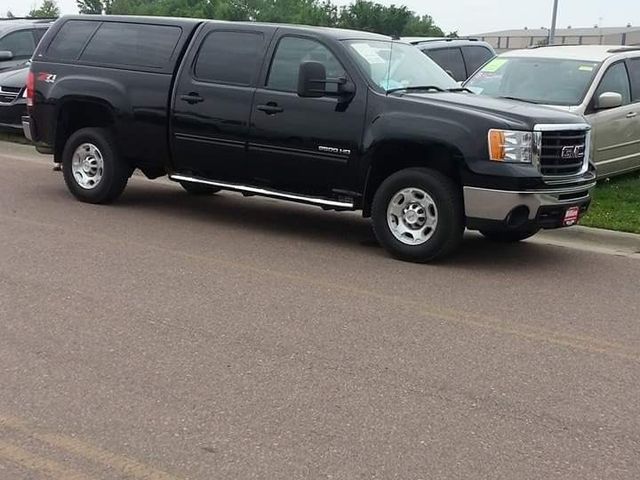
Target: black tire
{"x":509,"y":236}
{"x":447,"y":198}
{"x":199,"y":189}
{"x":115,"y":170}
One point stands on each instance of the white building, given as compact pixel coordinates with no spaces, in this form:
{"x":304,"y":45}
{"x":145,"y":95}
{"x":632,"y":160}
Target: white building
{"x":514,"y":39}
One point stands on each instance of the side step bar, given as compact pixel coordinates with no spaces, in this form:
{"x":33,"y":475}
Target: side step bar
{"x":266,"y":192}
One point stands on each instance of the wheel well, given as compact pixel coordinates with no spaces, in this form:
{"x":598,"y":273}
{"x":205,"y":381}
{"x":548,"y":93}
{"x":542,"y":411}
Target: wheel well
{"x":75,"y":115}
{"x":395,"y":156}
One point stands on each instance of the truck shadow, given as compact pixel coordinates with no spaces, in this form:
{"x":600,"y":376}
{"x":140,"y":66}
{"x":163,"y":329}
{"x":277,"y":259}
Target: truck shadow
{"x":312,"y":224}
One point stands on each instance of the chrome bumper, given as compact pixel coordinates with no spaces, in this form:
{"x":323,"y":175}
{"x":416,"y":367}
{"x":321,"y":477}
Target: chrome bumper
{"x":488,"y":204}
{"x":26,"y":128}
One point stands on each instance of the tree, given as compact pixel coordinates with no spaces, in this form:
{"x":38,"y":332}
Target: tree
{"x":10,"y":14}
{"x":94,"y":7}
{"x":49,"y":9}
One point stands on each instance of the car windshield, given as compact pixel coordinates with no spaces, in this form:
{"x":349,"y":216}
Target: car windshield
{"x":393,"y":66}
{"x":550,"y":81}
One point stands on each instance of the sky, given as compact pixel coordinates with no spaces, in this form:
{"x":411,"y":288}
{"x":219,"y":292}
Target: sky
{"x":473,"y":16}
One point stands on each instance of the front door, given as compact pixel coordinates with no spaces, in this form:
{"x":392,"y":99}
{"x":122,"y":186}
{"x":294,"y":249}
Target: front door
{"x":212,"y":104}
{"x":304,"y":144}
{"x":615,"y":136}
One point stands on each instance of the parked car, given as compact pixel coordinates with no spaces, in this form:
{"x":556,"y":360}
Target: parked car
{"x":13,"y":102}
{"x":311,"y":115}
{"x":18,"y":40}
{"x":600,"y":82}
{"x":459,"y":57}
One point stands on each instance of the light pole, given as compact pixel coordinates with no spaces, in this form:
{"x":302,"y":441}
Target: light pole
{"x":552,"y":32}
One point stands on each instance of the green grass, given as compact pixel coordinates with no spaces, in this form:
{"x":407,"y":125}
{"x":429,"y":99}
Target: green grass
{"x":616,"y":205}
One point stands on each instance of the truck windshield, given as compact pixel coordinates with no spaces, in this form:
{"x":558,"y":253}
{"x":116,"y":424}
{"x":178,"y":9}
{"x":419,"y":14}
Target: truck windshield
{"x":549,"y":81}
{"x":394,"y":66}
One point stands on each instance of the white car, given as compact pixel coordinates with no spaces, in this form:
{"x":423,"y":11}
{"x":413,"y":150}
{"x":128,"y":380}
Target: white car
{"x":600,"y":82}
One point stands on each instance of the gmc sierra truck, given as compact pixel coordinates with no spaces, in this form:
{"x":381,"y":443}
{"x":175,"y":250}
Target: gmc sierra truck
{"x":341,"y":119}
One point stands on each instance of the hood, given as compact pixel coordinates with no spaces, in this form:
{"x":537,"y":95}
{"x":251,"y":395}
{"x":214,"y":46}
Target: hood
{"x":15,"y":77}
{"x":518,"y":115}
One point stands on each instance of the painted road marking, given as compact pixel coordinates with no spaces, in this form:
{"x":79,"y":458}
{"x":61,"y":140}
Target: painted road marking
{"x":32,"y":462}
{"x":127,"y":466}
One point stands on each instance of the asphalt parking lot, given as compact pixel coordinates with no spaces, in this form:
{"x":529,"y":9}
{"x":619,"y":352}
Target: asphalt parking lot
{"x":169,"y":337}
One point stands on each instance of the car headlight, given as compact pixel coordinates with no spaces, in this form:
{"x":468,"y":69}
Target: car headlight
{"x":511,"y":146}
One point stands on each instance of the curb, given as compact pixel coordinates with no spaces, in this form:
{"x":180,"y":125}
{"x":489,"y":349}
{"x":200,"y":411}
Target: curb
{"x":592,"y":239}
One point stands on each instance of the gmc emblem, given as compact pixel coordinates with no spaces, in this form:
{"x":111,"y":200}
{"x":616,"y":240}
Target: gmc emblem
{"x":573,"y":151}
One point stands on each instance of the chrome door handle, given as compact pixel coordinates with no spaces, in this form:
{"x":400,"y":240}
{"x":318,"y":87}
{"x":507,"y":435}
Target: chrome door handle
{"x":632,"y":114}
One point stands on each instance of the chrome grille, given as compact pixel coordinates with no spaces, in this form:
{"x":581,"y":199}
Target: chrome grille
{"x":9,"y":94}
{"x":563,"y":153}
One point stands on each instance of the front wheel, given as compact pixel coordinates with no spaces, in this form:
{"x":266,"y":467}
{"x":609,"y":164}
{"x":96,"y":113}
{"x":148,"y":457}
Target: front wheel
{"x":509,"y":236}
{"x":418,"y":215}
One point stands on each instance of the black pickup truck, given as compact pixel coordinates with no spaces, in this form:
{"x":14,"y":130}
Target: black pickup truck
{"x":341,"y":119}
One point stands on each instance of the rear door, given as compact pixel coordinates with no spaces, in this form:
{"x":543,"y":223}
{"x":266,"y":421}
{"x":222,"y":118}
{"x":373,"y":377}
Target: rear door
{"x":633,"y":65}
{"x":615,"y":137}
{"x":213,"y":97}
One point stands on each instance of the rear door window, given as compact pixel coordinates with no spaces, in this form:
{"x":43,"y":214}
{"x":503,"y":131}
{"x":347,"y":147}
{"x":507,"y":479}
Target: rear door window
{"x":229,"y":57}
{"x":450,"y":60}
{"x":475,"y":56}
{"x":634,"y":73}
{"x":132,"y":44}
{"x":20,"y":43}
{"x":70,"y":39}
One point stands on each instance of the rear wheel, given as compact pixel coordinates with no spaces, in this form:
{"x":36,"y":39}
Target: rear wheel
{"x":93,"y":169}
{"x":199,"y":189}
{"x":418,"y":215}
{"x":509,"y":236}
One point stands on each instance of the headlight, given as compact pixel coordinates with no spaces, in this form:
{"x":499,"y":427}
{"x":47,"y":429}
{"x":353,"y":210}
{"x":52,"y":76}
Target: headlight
{"x":510,"y":146}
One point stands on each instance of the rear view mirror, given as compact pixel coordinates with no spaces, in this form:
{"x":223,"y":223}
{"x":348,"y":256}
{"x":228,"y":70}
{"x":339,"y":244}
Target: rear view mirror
{"x":608,"y":100}
{"x":313,"y":81}
{"x":6,"y":55}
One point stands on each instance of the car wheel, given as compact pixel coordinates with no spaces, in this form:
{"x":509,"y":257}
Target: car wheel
{"x":199,"y":189}
{"x":509,"y":236}
{"x":93,"y":169}
{"x":418,"y":215}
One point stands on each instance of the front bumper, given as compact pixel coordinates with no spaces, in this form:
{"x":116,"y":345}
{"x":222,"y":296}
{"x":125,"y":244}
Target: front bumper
{"x":11,"y":114}
{"x":543,"y":208}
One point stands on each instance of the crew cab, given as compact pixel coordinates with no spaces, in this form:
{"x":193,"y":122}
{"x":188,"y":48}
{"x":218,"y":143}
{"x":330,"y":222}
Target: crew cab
{"x":341,"y":119}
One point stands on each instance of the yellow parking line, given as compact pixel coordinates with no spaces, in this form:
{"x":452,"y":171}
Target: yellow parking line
{"x":427,"y":310}
{"x":128,"y":467}
{"x":32,"y":462}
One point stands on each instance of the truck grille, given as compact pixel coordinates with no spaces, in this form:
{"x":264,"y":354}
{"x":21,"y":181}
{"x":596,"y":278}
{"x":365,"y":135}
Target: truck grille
{"x":563,"y":152}
{"x":9,"y":94}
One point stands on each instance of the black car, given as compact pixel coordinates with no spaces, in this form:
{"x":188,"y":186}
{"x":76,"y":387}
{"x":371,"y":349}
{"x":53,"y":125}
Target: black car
{"x":340,"y":119}
{"x":19,"y":38}
{"x":459,"y":57}
{"x":13,"y":102}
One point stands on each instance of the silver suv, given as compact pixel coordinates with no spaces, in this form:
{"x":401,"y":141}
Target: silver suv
{"x":600,"y":82}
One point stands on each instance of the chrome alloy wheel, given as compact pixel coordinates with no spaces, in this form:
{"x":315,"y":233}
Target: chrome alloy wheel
{"x":412,"y":216}
{"x":87,"y":166}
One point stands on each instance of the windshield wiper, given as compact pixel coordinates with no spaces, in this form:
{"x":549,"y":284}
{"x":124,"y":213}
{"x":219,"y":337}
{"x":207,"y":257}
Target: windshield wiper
{"x":415,"y":88}
{"x":521,"y":100}
{"x":460,"y":89}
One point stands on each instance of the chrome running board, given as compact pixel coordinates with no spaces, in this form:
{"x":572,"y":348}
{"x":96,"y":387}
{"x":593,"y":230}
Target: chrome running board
{"x":266,"y":192}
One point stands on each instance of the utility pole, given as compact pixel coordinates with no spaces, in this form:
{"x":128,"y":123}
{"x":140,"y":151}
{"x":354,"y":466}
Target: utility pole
{"x":552,"y":32}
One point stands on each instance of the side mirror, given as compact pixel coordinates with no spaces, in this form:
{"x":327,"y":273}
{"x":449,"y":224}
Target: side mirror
{"x":313,"y":81}
{"x":608,"y":100}
{"x":6,"y":55}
